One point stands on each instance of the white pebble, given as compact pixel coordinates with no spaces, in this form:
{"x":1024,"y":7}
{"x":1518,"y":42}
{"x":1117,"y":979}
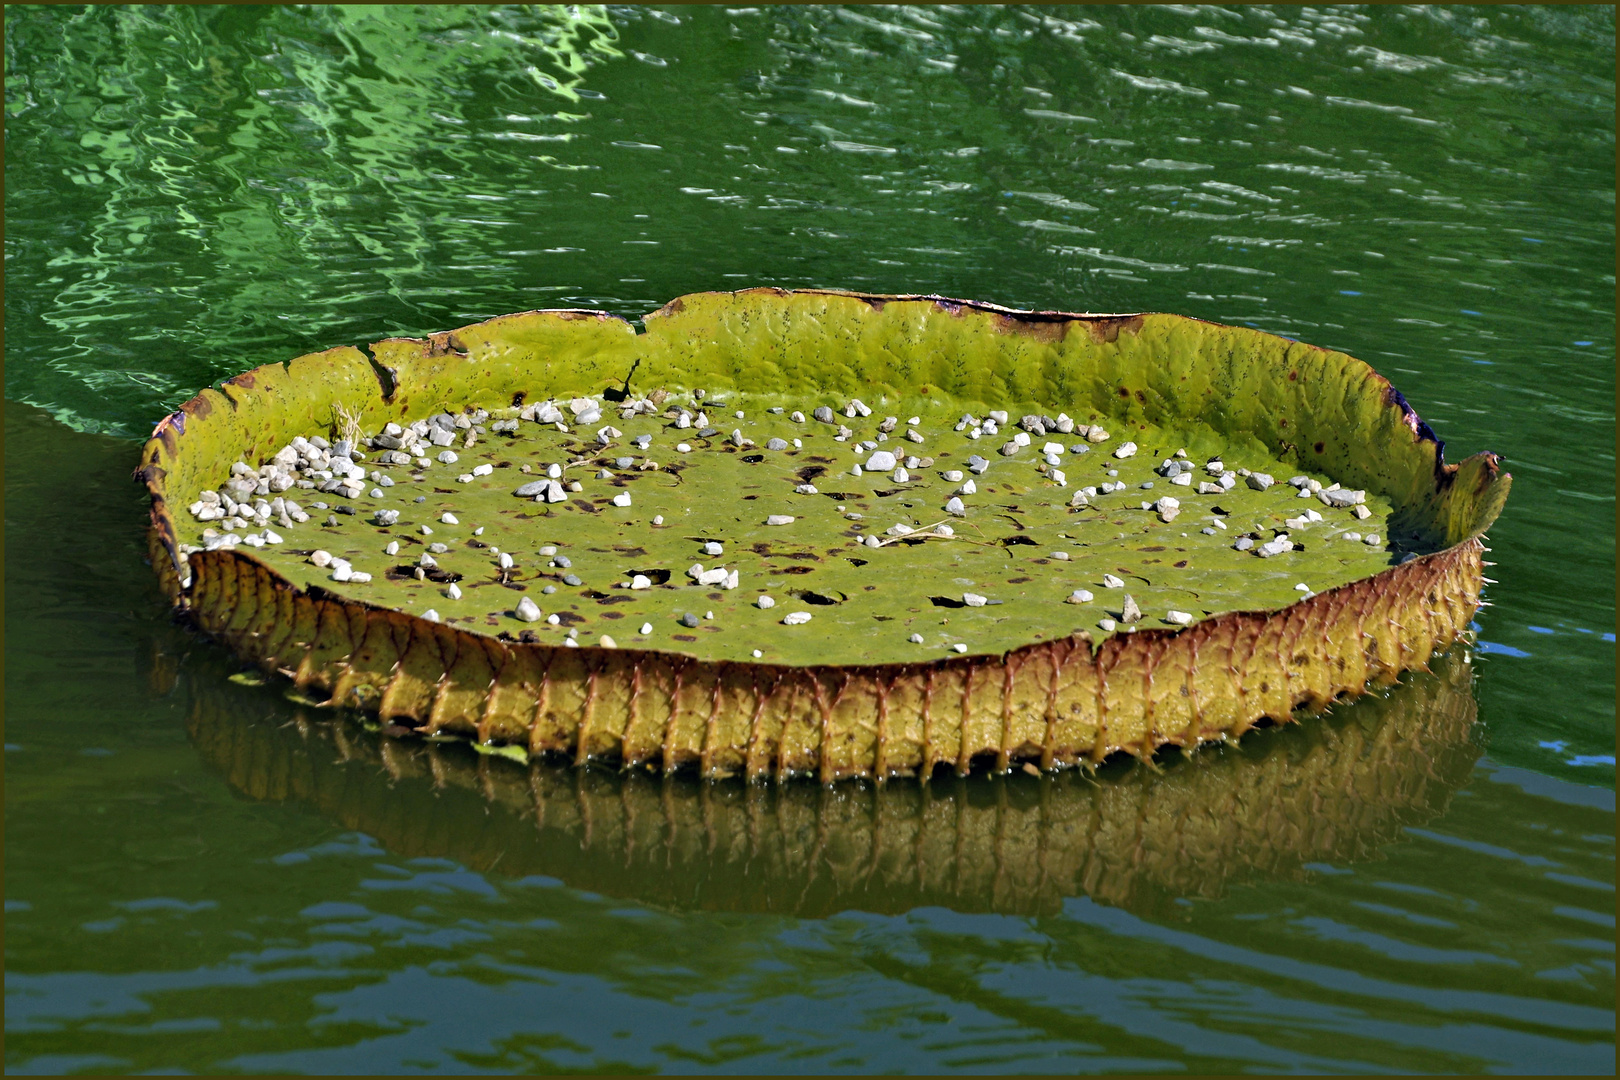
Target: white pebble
{"x":1125,"y":450}
{"x":658,"y":520}
{"x":607,"y":642}
{"x":1106,"y":624}
{"x":1112,"y":582}
{"x":392,"y":548}
{"x":454,"y":591}
{"x":955,"y":506}
{"x":880,"y":461}
{"x":765,"y":603}
{"x":1371,"y":540}
{"x":959,"y":647}
{"x":641,"y":581}
{"x":779,"y":519}
{"x":1061,"y":556}
{"x":1080,"y":596}
{"x":952,"y":476}
{"x":426,"y":531}
{"x":758,"y":654}
{"x":646,"y":628}
{"x":795,"y":618}
{"x":683,"y":448}
{"x":448,"y":457}
{"x":506,"y":561}
{"x":430,"y":615}
{"x":1180,"y":618}
{"x":528,"y":610}
{"x":322,"y":559}
{"x":483,"y":470}
{"x":449,"y":519}
{"x":622,"y":499}
{"x":713,"y":548}
{"x":974,"y":600}
{"x":915,"y":639}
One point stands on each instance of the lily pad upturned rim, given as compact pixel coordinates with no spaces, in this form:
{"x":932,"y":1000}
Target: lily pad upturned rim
{"x":876,"y":719}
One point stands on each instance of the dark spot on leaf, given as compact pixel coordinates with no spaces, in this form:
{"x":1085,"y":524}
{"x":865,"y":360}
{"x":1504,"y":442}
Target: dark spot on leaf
{"x":1156,"y":548}
{"x":858,"y":562}
{"x":407,"y":572}
{"x":810,"y":472}
{"x":476,"y":544}
{"x":1182,"y":565}
{"x":947,"y":601}
{"x":1018,"y":580}
{"x":753,"y":459}
{"x":1318,"y":448}
{"x":822,"y":460}
{"x":517,"y":398}
{"x":585,"y":504}
{"x":684,"y":637}
{"x":570,"y":618}
{"x":612,"y":614}
{"x":793,"y":570}
{"x":1012,"y":541}
{"x":656,"y":575}
{"x":626,"y":550}
{"x":1124,"y":393}
{"x":529,"y":637}
{"x":810,"y":597}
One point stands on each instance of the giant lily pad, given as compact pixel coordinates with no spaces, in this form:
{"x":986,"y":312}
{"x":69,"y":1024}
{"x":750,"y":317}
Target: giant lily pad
{"x":901,"y":629}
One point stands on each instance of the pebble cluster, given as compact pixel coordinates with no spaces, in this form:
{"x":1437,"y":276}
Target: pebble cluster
{"x":343,"y":476}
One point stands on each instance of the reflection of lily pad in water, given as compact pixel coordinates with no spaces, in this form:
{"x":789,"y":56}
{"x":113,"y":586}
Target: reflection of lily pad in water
{"x":1335,"y":790}
{"x":851,"y":691}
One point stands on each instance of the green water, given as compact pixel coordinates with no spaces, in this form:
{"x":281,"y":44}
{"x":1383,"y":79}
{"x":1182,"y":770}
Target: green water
{"x":204,"y":876}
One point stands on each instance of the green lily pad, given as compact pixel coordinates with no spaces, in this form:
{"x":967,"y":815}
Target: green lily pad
{"x":830,"y":610}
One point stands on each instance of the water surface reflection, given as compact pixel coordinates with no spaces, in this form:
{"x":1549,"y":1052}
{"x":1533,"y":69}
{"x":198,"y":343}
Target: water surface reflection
{"x":1332,"y":789}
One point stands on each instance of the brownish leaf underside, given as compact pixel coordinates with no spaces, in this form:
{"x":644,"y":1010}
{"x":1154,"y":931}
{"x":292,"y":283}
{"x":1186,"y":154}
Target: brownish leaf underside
{"x":1052,"y":703}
